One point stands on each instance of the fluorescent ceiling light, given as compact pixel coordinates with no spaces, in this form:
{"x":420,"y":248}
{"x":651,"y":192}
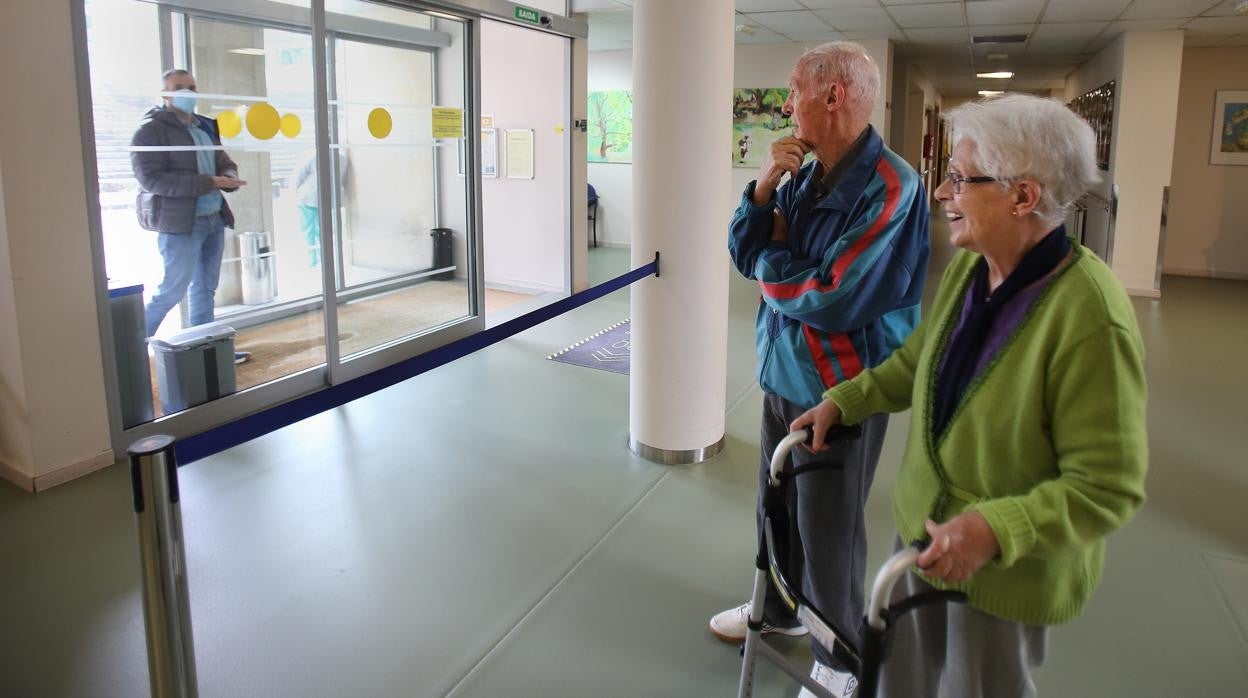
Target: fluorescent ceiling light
{"x":247,"y":51}
{"x":990,"y":93}
{"x":999,"y":75}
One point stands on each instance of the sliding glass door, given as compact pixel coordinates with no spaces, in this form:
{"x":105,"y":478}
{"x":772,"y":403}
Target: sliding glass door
{"x":356,"y":220}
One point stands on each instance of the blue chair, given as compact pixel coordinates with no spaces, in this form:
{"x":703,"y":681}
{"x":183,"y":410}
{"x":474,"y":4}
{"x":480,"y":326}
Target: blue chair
{"x":593,"y":213}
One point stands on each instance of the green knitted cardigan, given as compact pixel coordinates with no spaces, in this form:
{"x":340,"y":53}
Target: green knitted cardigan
{"x":1048,"y":443}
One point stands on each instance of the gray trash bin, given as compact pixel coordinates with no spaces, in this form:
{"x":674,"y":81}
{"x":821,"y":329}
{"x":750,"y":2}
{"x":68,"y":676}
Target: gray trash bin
{"x":255,"y":250}
{"x":194,"y":366}
{"x":134,"y":375}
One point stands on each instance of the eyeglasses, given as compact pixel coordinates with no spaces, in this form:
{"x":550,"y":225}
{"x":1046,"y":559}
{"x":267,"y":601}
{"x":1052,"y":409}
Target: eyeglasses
{"x":958,"y":181}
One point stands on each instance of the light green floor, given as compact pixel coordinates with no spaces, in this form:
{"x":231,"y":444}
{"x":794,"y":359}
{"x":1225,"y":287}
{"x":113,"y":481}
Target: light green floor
{"x":481,"y":530}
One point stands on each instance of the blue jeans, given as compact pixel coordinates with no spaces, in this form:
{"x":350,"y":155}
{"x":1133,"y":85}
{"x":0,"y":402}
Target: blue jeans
{"x":192,"y":262}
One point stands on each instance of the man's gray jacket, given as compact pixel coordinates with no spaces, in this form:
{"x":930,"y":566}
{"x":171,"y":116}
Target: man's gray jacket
{"x":169,"y":181}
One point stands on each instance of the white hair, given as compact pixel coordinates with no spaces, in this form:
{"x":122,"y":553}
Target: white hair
{"x":1020,"y":136}
{"x":849,"y":64}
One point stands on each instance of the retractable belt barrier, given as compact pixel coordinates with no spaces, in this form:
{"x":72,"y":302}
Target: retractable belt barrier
{"x":253,"y":426}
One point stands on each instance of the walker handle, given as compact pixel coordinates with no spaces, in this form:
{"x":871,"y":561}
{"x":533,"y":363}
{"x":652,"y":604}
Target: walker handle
{"x":838,"y":432}
{"x":887,"y":578}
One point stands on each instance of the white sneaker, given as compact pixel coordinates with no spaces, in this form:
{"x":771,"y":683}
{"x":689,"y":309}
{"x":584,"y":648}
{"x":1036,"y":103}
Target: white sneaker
{"x":839,"y":683}
{"x":731,"y":625}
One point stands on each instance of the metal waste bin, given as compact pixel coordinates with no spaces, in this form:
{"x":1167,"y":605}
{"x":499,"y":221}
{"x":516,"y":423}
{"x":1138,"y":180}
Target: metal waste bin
{"x":134,"y":375}
{"x":258,"y":282}
{"x":442,"y":256}
{"x":194,"y":366}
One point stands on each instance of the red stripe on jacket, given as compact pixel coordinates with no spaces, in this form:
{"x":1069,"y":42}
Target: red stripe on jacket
{"x":892,"y":196}
{"x":822,"y":364}
{"x":851,"y":365}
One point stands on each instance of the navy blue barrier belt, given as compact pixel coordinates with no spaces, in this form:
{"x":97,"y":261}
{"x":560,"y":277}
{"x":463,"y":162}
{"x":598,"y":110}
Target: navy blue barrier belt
{"x":252,"y":426}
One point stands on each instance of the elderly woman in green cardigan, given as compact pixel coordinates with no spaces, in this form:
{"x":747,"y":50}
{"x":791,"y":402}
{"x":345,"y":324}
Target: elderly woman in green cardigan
{"x":1026,"y":388}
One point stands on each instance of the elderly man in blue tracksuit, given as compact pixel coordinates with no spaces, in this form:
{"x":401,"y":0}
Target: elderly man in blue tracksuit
{"x":180,"y":198}
{"x":840,"y":253}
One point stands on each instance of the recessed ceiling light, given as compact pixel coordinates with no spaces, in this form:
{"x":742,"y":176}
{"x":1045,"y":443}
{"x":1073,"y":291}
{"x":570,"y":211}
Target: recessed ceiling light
{"x":247,"y":51}
{"x":998,"y":75}
{"x":990,"y":93}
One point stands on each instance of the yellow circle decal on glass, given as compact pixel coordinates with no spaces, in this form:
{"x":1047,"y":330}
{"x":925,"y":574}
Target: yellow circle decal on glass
{"x":263,"y":121}
{"x":229,"y":124}
{"x":291,"y":125}
{"x":380,"y":123}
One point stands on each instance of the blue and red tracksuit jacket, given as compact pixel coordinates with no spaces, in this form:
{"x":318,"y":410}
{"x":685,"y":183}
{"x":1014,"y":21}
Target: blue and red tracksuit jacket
{"x":843,"y":292}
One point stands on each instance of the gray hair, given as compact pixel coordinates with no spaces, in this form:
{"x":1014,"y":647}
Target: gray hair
{"x":849,"y":64}
{"x":1020,"y":136}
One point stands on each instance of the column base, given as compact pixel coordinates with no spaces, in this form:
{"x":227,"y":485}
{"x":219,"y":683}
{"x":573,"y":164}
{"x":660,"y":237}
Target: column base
{"x":664,"y":456}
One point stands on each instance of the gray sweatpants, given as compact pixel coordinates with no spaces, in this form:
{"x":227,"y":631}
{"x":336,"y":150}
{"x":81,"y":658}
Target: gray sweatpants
{"x":827,"y":549}
{"x":955,"y":651}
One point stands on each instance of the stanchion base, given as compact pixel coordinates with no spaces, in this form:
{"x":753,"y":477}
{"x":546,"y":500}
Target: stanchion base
{"x":664,"y":456}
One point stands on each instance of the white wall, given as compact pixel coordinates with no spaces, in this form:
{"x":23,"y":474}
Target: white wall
{"x":1207,"y":230}
{"x":756,"y":65}
{"x":52,"y":400}
{"x":524,"y":85}
{"x":1146,"y":66}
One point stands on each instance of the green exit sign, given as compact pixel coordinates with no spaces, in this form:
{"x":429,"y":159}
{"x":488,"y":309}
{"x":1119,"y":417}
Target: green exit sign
{"x":528,"y":14}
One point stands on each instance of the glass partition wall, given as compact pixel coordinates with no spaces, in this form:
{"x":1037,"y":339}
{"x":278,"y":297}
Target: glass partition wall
{"x":350,"y":216}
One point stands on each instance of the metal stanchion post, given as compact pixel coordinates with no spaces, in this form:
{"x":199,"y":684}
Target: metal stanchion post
{"x":166,"y":603}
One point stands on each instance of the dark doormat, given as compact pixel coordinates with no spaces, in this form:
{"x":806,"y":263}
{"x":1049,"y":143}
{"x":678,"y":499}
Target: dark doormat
{"x":607,"y":350}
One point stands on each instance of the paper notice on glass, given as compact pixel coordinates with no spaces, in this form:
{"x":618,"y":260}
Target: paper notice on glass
{"x":520,"y":153}
{"x":448,"y":122}
{"x":489,"y":152}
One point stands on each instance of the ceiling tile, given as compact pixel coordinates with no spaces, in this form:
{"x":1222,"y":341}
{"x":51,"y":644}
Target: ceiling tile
{"x":1217,"y":25}
{"x":857,"y":18}
{"x":838,"y":4}
{"x":890,"y":3}
{"x":948,"y":35}
{"x":1224,"y":9}
{"x":1083,"y":10}
{"x":860,"y":34}
{"x":1003,"y":11}
{"x":1070,"y":30}
{"x":1136,"y":25}
{"x":1055,"y":46}
{"x":823,"y":36}
{"x":768,"y":5}
{"x":1237,"y":40}
{"x":785,"y":22}
{"x":943,"y":14}
{"x":1001,"y":29}
{"x":761,"y":38}
{"x":1155,"y":9}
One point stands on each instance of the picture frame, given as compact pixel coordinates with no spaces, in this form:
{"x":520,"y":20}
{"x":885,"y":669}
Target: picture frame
{"x":489,"y":153}
{"x":1097,"y":108}
{"x":1229,"y":140}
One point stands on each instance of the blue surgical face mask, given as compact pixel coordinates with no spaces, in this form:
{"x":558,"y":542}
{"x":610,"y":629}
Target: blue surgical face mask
{"x":184,"y":100}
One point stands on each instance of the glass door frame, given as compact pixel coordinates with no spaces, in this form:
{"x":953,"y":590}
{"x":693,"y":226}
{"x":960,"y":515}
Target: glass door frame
{"x":334,"y":371}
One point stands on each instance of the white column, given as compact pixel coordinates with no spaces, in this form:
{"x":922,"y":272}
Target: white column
{"x":682,"y":203}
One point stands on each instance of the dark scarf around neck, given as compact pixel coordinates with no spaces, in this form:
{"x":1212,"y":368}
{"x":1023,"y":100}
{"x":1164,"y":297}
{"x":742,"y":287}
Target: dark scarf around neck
{"x":966,"y":344}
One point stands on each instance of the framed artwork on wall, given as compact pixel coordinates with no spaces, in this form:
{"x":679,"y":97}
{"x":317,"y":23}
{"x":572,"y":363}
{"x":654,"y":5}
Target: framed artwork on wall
{"x":758,"y":120}
{"x":1230,"y":128}
{"x":610,"y":131}
{"x":1097,"y":107}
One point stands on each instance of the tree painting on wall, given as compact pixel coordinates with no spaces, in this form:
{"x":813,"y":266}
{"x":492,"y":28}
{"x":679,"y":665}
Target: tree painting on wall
{"x":758,"y":120}
{"x":610,"y":126}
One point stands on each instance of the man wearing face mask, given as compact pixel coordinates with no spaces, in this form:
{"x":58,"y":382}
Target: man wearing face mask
{"x":180,"y":198}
